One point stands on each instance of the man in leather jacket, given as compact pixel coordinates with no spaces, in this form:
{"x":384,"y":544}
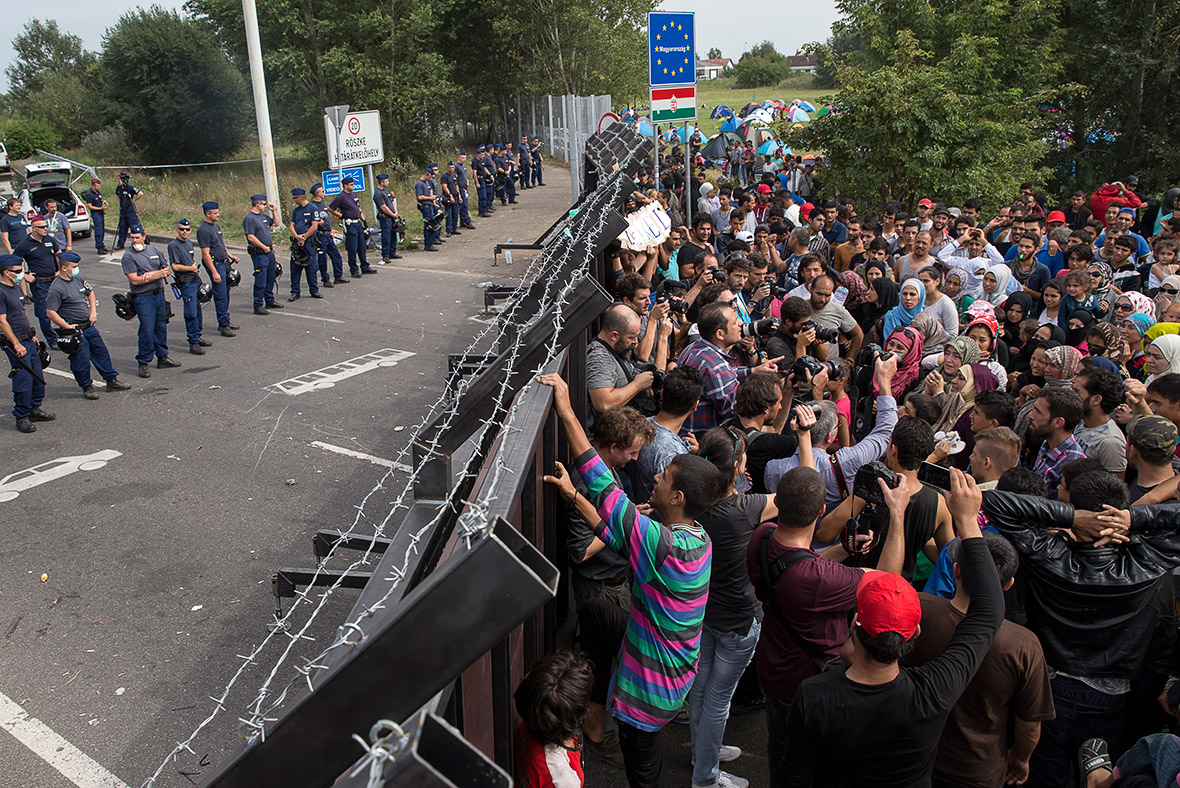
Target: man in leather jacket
{"x":1094,"y":602}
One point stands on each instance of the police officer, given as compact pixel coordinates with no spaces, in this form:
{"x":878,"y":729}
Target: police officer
{"x":347,"y":208}
{"x":186,"y":273}
{"x":325,"y":243}
{"x":128,"y":214}
{"x":449,"y":187}
{"x":461,"y":179}
{"x":481,"y":184}
{"x":72,"y":306}
{"x":303,"y":227}
{"x":427,"y":198}
{"x":98,"y":211}
{"x":39,"y":252}
{"x":217,"y":261}
{"x":501,"y":174}
{"x":28,"y":381}
{"x":260,"y":244}
{"x":535,"y":154}
{"x":524,"y":155}
{"x":509,"y":164}
{"x":386,"y":212}
{"x":146,"y":268}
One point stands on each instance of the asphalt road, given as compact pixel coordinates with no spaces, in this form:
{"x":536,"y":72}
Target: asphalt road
{"x":130,"y":588}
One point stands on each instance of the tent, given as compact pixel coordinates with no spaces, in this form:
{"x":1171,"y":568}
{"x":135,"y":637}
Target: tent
{"x":746,"y":110}
{"x":799,"y":115}
{"x":721,"y":111}
{"x":677,"y":133}
{"x":730,"y":124}
{"x":629,"y":115}
{"x":644,"y":128}
{"x":763,"y":115}
{"x":716,"y":147}
{"x":756,"y":132}
{"x":769,"y":148}
{"x":806,"y":106}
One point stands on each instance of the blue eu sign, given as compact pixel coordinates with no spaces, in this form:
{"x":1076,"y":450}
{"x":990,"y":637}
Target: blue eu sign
{"x":671,"y":48}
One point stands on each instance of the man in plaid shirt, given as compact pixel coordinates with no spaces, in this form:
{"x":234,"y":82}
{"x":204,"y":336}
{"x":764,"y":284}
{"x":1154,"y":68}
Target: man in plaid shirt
{"x":1053,"y":417}
{"x":720,"y":331}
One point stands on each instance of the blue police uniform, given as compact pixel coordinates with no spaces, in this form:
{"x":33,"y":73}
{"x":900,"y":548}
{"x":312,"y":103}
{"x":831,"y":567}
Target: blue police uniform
{"x":325,"y":244}
{"x":450,"y":200}
{"x":150,"y":305}
{"x":383,"y":198}
{"x":535,"y":154}
{"x":428,"y":208}
{"x":263,"y":257}
{"x":482,"y":180}
{"x":128,"y":214}
{"x":93,"y":199}
{"x":461,"y":179}
{"x":41,"y":258}
{"x":209,"y":237}
{"x":302,"y":218}
{"x":509,"y":163}
{"x":70,"y":299}
{"x":28,"y":381}
{"x":349,"y":208}
{"x":525,"y":156}
{"x":184,"y":252}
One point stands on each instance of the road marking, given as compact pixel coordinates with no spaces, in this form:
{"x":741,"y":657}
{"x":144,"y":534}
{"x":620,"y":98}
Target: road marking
{"x":75,"y":765}
{"x":58,"y":372}
{"x":14,"y":484}
{"x":327,"y":377}
{"x":360,"y":455}
{"x":285,"y":313}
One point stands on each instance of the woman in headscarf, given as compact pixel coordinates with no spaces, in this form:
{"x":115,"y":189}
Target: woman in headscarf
{"x":1163,"y":356}
{"x":908,"y":343}
{"x":1169,"y":288}
{"x":1101,"y":277}
{"x":1018,"y":307}
{"x":984,"y":331}
{"x":881,"y":297}
{"x":1105,"y":343}
{"x":955,"y":287}
{"x":1167,"y":208}
{"x":1075,"y":329}
{"x":957,"y":352}
{"x":912,"y":302}
{"x":858,"y":289}
{"x":956,"y":410}
{"x":1133,"y":302}
{"x":934,"y":336}
{"x":995,"y":283}
{"x":1133,"y":329}
{"x":1062,"y":364}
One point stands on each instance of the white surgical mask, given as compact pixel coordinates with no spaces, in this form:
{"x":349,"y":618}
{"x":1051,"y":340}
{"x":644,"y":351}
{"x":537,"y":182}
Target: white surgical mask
{"x":138,"y":247}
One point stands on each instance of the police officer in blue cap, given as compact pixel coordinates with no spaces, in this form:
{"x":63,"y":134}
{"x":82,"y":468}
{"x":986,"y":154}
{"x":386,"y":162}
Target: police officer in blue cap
{"x":186,"y":273}
{"x":511,"y":168}
{"x":325,"y":243}
{"x":461,"y":179}
{"x":501,"y":173}
{"x":483,"y":181}
{"x":386,"y":206}
{"x":217,"y":260}
{"x":524,"y":155}
{"x":427,"y":198}
{"x":449,"y":187}
{"x":128,"y":214}
{"x":347,"y":208}
{"x":303,"y":226}
{"x":146,"y":268}
{"x":73,"y":307}
{"x":535,"y":153}
{"x":20,"y":346}
{"x":260,"y":245}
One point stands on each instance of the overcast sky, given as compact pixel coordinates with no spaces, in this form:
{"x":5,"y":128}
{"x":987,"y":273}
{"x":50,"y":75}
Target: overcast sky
{"x":731,"y":28}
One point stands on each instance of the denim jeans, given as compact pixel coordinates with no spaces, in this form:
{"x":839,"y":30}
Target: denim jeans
{"x":1082,"y":713}
{"x":724,"y":657}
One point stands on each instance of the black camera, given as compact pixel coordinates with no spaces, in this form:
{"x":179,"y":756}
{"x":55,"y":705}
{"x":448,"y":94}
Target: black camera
{"x":760,"y":328}
{"x":807,"y":367}
{"x":865,"y":485}
{"x":871,"y":353}
{"x":657,"y":376}
{"x":821,"y":334}
{"x":816,"y":408}
{"x":716,"y":274}
{"x":778,"y":292}
{"x":677,"y":305}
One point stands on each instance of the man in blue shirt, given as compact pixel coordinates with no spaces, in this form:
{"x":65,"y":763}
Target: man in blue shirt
{"x":325,"y":243}
{"x":347,"y":208}
{"x":461,"y":179}
{"x":525,"y":155}
{"x":1125,"y":220}
{"x":98,"y":211}
{"x":385,"y":204}
{"x":186,"y":273}
{"x":427,"y":198}
{"x":834,"y":230}
{"x":303,"y":227}
{"x":217,"y":260}
{"x":14,"y":227}
{"x":39,"y":252}
{"x":20,"y":346}
{"x":257,"y":224}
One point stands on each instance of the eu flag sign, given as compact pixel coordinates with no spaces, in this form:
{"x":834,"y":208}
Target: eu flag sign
{"x":671,"y":48}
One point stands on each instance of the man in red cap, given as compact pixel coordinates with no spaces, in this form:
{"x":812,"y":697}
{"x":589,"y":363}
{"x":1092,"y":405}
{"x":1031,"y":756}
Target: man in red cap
{"x":98,"y":211}
{"x":874,"y":723}
{"x":1055,"y":219}
{"x":925,"y":213}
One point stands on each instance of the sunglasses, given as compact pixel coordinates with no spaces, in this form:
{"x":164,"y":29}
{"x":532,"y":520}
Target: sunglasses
{"x":1123,"y":307}
{"x":1169,"y":290}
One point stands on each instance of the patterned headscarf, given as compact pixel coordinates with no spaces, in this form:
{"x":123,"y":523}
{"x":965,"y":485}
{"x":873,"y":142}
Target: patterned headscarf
{"x":858,"y":290}
{"x":966,"y":347}
{"x":909,"y":366}
{"x":1066,"y":357}
{"x":1140,"y":304}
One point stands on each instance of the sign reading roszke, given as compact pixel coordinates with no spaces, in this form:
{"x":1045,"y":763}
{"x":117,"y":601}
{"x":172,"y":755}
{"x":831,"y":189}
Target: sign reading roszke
{"x":360,"y":140}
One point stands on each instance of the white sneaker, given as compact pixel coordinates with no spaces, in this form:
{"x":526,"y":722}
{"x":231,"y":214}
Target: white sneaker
{"x":727,"y":780}
{"x":729,"y":753}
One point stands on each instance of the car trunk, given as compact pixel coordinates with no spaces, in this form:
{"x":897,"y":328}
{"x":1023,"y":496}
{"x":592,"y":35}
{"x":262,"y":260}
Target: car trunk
{"x":64,"y":197}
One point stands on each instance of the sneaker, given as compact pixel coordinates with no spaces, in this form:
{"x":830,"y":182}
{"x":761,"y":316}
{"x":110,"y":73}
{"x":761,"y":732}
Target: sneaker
{"x":232,"y":327}
{"x":429,"y":248}
{"x":727,"y":780}
{"x":681,"y":717}
{"x":729,"y":753}
{"x":117,"y":385}
{"x":340,"y":280}
{"x":1092,"y":756}
{"x":89,"y":393}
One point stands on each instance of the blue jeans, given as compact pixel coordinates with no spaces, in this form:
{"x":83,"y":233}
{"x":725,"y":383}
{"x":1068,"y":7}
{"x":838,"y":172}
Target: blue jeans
{"x":152,"y":311}
{"x":40,"y":291}
{"x":92,"y":351}
{"x":724,"y":657}
{"x":264,"y":279}
{"x":221,"y":294}
{"x":27,"y":392}
{"x":354,"y":242}
{"x":100,"y":228}
{"x":1082,"y":713}
{"x":325,"y":248}
{"x":193,"y":320}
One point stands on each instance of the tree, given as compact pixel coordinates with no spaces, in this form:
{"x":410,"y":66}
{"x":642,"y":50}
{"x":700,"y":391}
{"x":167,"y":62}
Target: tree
{"x":71,"y":104}
{"x":23,"y":136}
{"x":42,"y":49}
{"x":756,"y":72}
{"x":714,"y":53}
{"x":172,"y":87}
{"x":764,"y":50}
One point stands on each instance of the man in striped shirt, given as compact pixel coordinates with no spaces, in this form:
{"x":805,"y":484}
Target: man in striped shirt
{"x":658,"y":642}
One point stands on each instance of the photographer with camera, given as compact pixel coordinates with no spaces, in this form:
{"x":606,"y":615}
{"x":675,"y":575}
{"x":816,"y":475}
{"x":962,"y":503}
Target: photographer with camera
{"x":796,"y":335}
{"x":925,"y":515}
{"x":761,"y":413}
{"x":611,"y":377}
{"x":832,"y":317}
{"x":839,"y":470}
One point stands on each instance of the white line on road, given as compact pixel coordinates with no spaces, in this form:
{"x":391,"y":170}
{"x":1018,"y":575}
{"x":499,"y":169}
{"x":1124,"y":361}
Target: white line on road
{"x":58,"y":372}
{"x":285,"y":313}
{"x":75,"y":765}
{"x":328,"y":376}
{"x":360,"y":455}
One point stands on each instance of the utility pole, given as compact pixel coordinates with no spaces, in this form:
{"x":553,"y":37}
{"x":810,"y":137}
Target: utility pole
{"x":270,"y":175}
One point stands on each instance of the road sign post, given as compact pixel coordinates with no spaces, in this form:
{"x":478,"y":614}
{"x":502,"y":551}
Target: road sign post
{"x":672,"y":77}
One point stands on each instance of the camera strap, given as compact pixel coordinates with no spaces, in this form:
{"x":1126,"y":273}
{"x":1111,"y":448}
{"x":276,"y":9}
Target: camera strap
{"x":770,"y":575}
{"x":838,"y":472}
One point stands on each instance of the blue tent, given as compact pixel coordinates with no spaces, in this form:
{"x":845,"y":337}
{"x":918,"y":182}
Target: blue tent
{"x":807,"y":106}
{"x":769,"y":148}
{"x":629,"y":115}
{"x":644,"y":128}
{"x":730,"y":124}
{"x":721,"y":111}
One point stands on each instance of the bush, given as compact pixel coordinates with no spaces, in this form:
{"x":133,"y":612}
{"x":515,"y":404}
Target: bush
{"x":110,"y":145}
{"x":22,"y":137}
{"x":756,"y":72}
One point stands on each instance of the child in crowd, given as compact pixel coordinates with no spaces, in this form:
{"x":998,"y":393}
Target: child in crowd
{"x":553,"y":700}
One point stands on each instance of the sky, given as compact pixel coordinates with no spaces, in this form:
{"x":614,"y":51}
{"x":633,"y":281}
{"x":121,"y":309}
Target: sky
{"x":734,"y":29}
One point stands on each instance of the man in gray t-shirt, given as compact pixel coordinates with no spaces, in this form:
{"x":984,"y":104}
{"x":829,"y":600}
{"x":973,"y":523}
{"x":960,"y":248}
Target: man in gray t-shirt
{"x":829,"y":314}
{"x":257,"y":224}
{"x":1100,"y":437}
{"x":71,"y":305}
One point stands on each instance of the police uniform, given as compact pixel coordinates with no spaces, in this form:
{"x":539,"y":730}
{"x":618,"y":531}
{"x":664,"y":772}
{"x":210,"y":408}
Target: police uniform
{"x":263,"y":257}
{"x":509,"y":173}
{"x":184,"y":252}
{"x":449,"y":187}
{"x":28,"y":381}
{"x":461,"y":179}
{"x":383,"y":198}
{"x":73,"y":301}
{"x":150,"y":305}
{"x":302,"y":219}
{"x":41,"y":259}
{"x":349,"y":208}
{"x":535,"y":155}
{"x":525,"y":157}
{"x":325,"y":243}
{"x":128,"y":214}
{"x":209,"y":237}
{"x":481,"y":180}
{"x":93,"y":199}
{"x":424,"y":187}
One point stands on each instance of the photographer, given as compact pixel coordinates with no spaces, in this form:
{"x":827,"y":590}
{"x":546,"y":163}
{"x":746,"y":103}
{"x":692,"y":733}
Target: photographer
{"x":828,"y":313}
{"x":839,"y":470}
{"x":611,"y":379}
{"x":925,"y":515}
{"x":712,"y":356}
{"x":794,"y":336}
{"x":761,"y":415}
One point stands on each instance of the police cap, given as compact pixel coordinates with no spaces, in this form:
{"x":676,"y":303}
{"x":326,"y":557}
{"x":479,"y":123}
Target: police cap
{"x":183,"y":223}
{"x":136,"y":229}
{"x":481,"y":149}
{"x":315,"y":186}
{"x":297,"y":192}
{"x":257,"y":198}
{"x":11,"y":261}
{"x":349,"y":181}
{"x":69,"y":257}
{"x":382,"y":176}
{"x":208,"y":206}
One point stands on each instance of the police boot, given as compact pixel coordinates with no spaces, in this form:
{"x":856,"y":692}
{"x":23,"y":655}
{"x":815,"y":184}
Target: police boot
{"x":40,"y":415}
{"x":116,"y":385}
{"x":89,"y":393}
{"x":196,"y":349}
{"x":164,"y":362}
{"x":25,"y":425}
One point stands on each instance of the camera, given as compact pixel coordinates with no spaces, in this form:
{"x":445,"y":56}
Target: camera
{"x":807,"y":367}
{"x":865,"y":485}
{"x":716,"y":274}
{"x":677,"y":305}
{"x":821,"y":334}
{"x":760,"y":328}
{"x":816,"y":408}
{"x":871,"y":353}
{"x":657,"y":376}
{"x":778,"y":292}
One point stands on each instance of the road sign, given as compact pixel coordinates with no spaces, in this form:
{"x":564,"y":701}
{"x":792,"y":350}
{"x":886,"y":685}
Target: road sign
{"x":671,"y":48}
{"x":668,"y":104}
{"x":360,"y":138}
{"x":332,"y":179}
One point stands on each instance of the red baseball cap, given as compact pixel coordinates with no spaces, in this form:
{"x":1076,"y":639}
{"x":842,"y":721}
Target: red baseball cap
{"x":805,"y":210}
{"x":925,"y":203}
{"x":764,"y":188}
{"x":95,"y":180}
{"x":1055,"y":216}
{"x":885,"y":602}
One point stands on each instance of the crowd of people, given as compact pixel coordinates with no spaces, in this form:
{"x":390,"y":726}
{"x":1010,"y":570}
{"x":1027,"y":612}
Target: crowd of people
{"x":906,"y":482}
{"x":39,"y":265}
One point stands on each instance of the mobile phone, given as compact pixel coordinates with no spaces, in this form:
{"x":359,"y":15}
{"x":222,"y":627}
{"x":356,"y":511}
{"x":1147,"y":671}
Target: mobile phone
{"x":935,"y":476}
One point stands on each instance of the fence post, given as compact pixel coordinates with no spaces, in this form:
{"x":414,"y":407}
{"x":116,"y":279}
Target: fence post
{"x":552,"y":149}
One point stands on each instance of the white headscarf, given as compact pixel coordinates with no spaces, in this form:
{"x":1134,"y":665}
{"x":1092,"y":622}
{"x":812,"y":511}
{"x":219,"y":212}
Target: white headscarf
{"x":1003,"y":274}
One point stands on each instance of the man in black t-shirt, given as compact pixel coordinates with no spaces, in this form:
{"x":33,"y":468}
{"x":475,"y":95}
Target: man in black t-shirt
{"x":699,"y":239}
{"x":758,"y":404}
